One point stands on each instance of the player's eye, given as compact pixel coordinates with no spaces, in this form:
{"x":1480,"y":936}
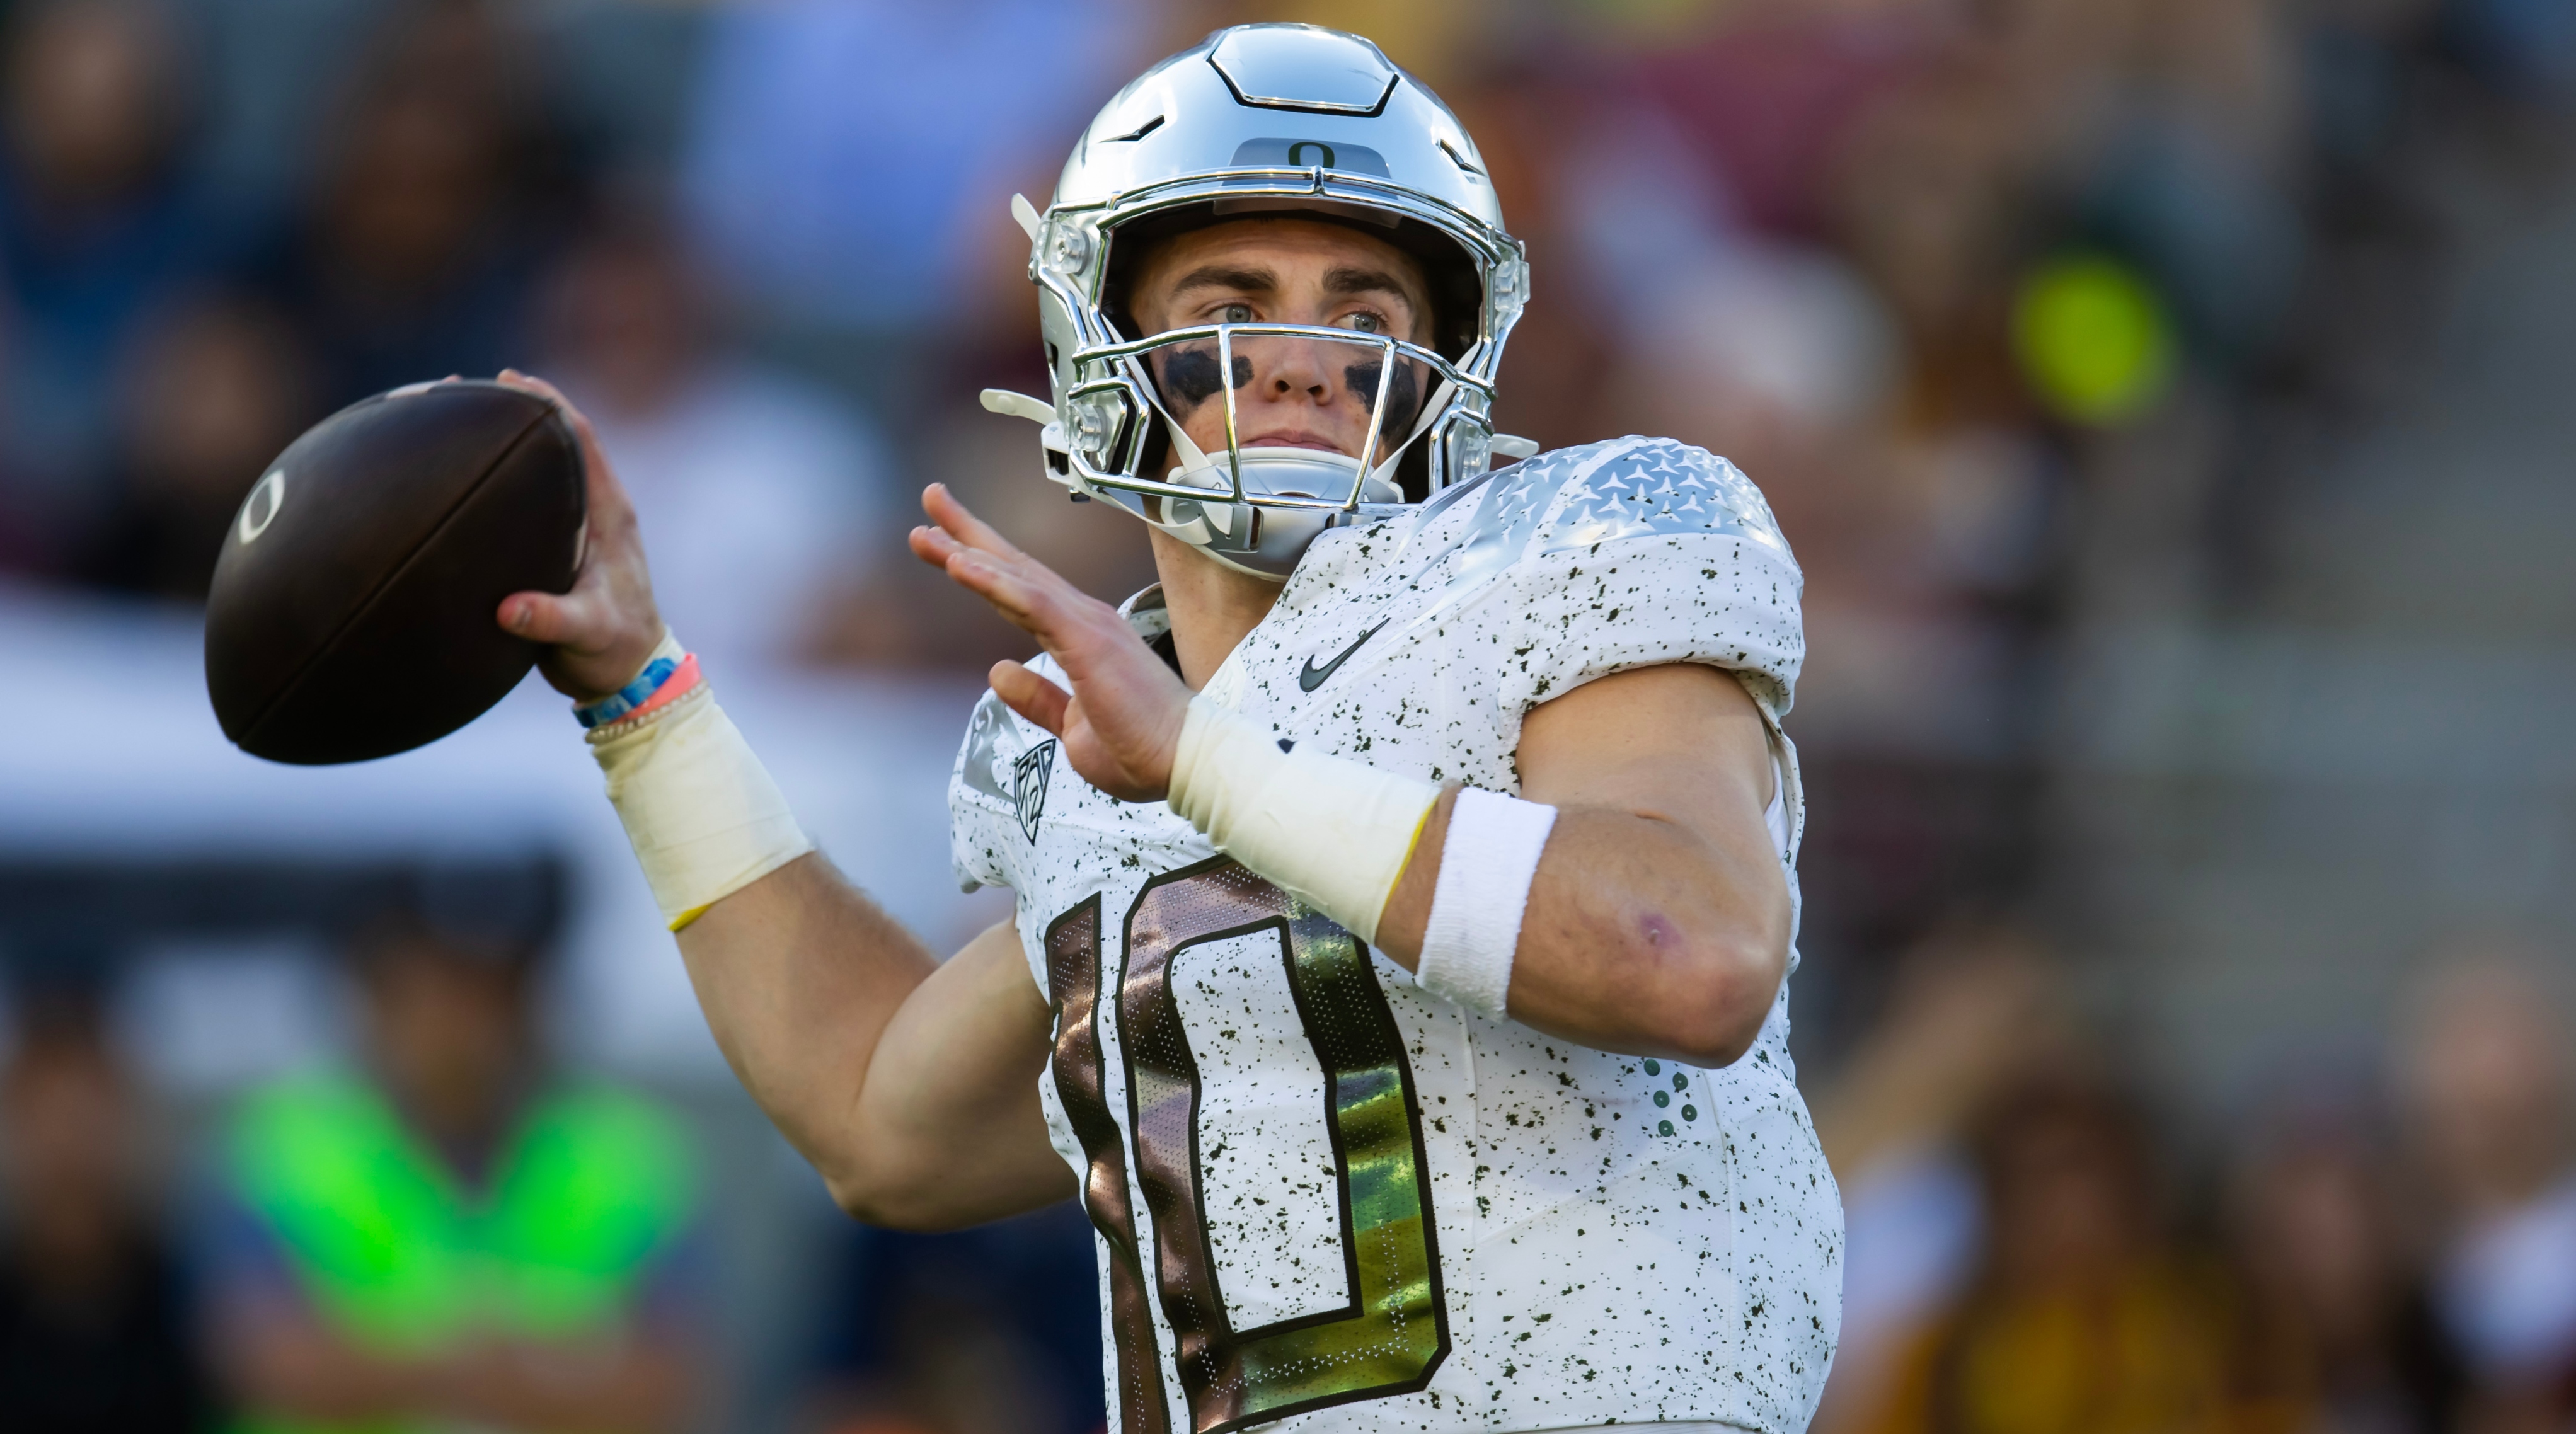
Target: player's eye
{"x":1366,"y":322}
{"x":1235,"y":314}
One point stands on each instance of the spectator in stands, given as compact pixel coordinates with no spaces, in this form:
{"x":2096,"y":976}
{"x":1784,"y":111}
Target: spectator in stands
{"x":1973,"y":1009}
{"x":415,"y":256}
{"x":94,"y":1334}
{"x":98,"y":225}
{"x":2485,"y":1078}
{"x":2343,"y":1335}
{"x":781,"y":488}
{"x":2086,"y":1317}
{"x":214,"y":390}
{"x":453,"y":1235}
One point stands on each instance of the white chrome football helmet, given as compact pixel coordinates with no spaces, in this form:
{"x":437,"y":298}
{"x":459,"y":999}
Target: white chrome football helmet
{"x":1267,"y":118}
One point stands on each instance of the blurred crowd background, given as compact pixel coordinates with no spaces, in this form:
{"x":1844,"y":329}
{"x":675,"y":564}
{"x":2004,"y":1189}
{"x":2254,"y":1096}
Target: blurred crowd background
{"x":2172,"y":404}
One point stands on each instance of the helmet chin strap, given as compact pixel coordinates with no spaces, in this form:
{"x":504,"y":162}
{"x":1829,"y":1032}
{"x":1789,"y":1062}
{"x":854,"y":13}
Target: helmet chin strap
{"x":1212,"y":517}
{"x":1422,"y":422}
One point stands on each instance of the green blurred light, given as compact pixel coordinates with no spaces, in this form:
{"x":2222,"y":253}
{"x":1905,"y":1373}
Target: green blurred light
{"x":2093,"y":339}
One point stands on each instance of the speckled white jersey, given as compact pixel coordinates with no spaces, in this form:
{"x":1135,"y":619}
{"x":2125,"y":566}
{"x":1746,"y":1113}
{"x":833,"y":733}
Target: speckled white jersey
{"x":1328,"y":1198}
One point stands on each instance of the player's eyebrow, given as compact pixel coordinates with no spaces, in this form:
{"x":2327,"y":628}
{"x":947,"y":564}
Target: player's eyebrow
{"x":1227,"y":276}
{"x":1353,"y":280}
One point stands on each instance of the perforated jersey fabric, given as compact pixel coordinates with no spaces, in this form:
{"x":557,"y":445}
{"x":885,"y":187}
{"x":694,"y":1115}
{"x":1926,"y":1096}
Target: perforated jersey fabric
{"x":1328,"y":1200}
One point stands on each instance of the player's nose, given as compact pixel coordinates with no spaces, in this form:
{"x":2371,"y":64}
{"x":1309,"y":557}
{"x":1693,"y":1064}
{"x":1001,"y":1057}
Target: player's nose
{"x":1299,"y":368}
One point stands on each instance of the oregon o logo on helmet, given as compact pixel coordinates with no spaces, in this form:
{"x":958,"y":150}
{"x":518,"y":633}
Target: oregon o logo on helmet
{"x":1280,"y":151}
{"x":260,"y":508}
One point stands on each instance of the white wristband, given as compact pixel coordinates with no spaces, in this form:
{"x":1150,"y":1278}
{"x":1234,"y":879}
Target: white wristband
{"x":1331,"y":831}
{"x":703,"y":814}
{"x":1487,"y":863}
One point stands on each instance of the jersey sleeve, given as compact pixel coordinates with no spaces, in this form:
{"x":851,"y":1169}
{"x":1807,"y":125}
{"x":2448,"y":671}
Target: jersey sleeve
{"x":1638,"y":552}
{"x":983,"y":816}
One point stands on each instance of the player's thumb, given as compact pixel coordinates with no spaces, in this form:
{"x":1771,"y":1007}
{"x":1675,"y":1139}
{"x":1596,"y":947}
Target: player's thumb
{"x":548,"y":618}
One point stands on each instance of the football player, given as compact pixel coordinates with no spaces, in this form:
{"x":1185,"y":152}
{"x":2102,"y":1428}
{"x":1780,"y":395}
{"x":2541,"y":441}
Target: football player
{"x":1405,"y":886}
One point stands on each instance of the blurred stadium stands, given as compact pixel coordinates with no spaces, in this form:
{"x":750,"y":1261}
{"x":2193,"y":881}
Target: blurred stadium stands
{"x":2169,"y":400}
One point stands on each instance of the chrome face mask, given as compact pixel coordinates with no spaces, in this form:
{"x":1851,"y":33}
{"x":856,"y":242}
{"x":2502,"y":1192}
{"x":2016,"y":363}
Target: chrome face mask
{"x":1303,"y":426}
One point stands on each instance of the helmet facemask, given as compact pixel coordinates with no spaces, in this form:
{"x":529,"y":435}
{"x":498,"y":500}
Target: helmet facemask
{"x":1311,"y":432}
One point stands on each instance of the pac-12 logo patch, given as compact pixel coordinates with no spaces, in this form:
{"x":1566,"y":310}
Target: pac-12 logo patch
{"x":1029,"y":784}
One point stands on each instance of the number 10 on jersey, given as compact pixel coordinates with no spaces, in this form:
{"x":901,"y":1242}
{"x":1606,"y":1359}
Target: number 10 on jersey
{"x":1394,"y":1331}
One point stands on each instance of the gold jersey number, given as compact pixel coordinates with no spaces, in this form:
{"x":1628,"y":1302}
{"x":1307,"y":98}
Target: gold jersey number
{"x":1394,"y":1332}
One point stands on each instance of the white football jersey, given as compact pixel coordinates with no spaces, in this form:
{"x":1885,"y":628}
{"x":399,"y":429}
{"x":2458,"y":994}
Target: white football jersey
{"x":1326,"y":1197}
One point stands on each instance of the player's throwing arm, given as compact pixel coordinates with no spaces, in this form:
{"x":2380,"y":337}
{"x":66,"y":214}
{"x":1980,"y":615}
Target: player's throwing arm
{"x":910,"y":1084}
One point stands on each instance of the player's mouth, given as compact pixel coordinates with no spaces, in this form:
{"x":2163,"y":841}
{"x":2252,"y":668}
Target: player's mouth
{"x":1294,"y":438}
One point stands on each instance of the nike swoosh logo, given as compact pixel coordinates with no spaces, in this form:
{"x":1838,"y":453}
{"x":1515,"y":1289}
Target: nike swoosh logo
{"x":1313,"y":677}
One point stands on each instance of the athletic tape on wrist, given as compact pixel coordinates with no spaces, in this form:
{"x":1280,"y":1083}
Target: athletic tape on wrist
{"x":702,"y":813}
{"x":1329,"y":830}
{"x":1487,"y":863}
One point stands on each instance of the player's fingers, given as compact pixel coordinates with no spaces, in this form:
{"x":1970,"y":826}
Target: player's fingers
{"x":933,"y":546}
{"x":530,"y":383}
{"x":1026,"y":593}
{"x":961,"y":523}
{"x":1031,"y":696}
{"x":936,"y":547}
{"x":579,"y":420}
{"x":609,"y":507}
{"x":1026,"y":605}
{"x":961,"y":531}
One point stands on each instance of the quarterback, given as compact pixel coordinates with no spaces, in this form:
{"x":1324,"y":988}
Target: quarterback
{"x":1405,"y":885}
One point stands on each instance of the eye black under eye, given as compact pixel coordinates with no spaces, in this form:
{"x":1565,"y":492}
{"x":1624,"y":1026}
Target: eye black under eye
{"x":1190,"y":375}
{"x":1403,"y":397}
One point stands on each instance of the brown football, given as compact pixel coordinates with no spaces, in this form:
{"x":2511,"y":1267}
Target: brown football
{"x":352,"y":610}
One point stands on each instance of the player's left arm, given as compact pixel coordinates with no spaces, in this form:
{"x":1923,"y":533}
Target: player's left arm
{"x":1658,"y":919}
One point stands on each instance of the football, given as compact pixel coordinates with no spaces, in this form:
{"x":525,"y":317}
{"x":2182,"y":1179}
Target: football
{"x":352,"y":611}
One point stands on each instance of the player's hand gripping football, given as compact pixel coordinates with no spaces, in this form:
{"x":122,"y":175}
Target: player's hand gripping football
{"x":600,"y":634}
{"x":1121,"y":724}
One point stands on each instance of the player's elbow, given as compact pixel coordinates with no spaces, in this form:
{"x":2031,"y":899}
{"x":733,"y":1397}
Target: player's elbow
{"x":1716,"y":993}
{"x":882,"y":1195}
{"x":860,"y":1197}
{"x":1715,"y":1029}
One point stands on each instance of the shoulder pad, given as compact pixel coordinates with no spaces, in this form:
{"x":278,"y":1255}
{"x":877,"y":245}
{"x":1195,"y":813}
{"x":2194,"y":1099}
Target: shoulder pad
{"x":993,"y":745}
{"x":1602,"y":492}
{"x":1007,"y":758}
